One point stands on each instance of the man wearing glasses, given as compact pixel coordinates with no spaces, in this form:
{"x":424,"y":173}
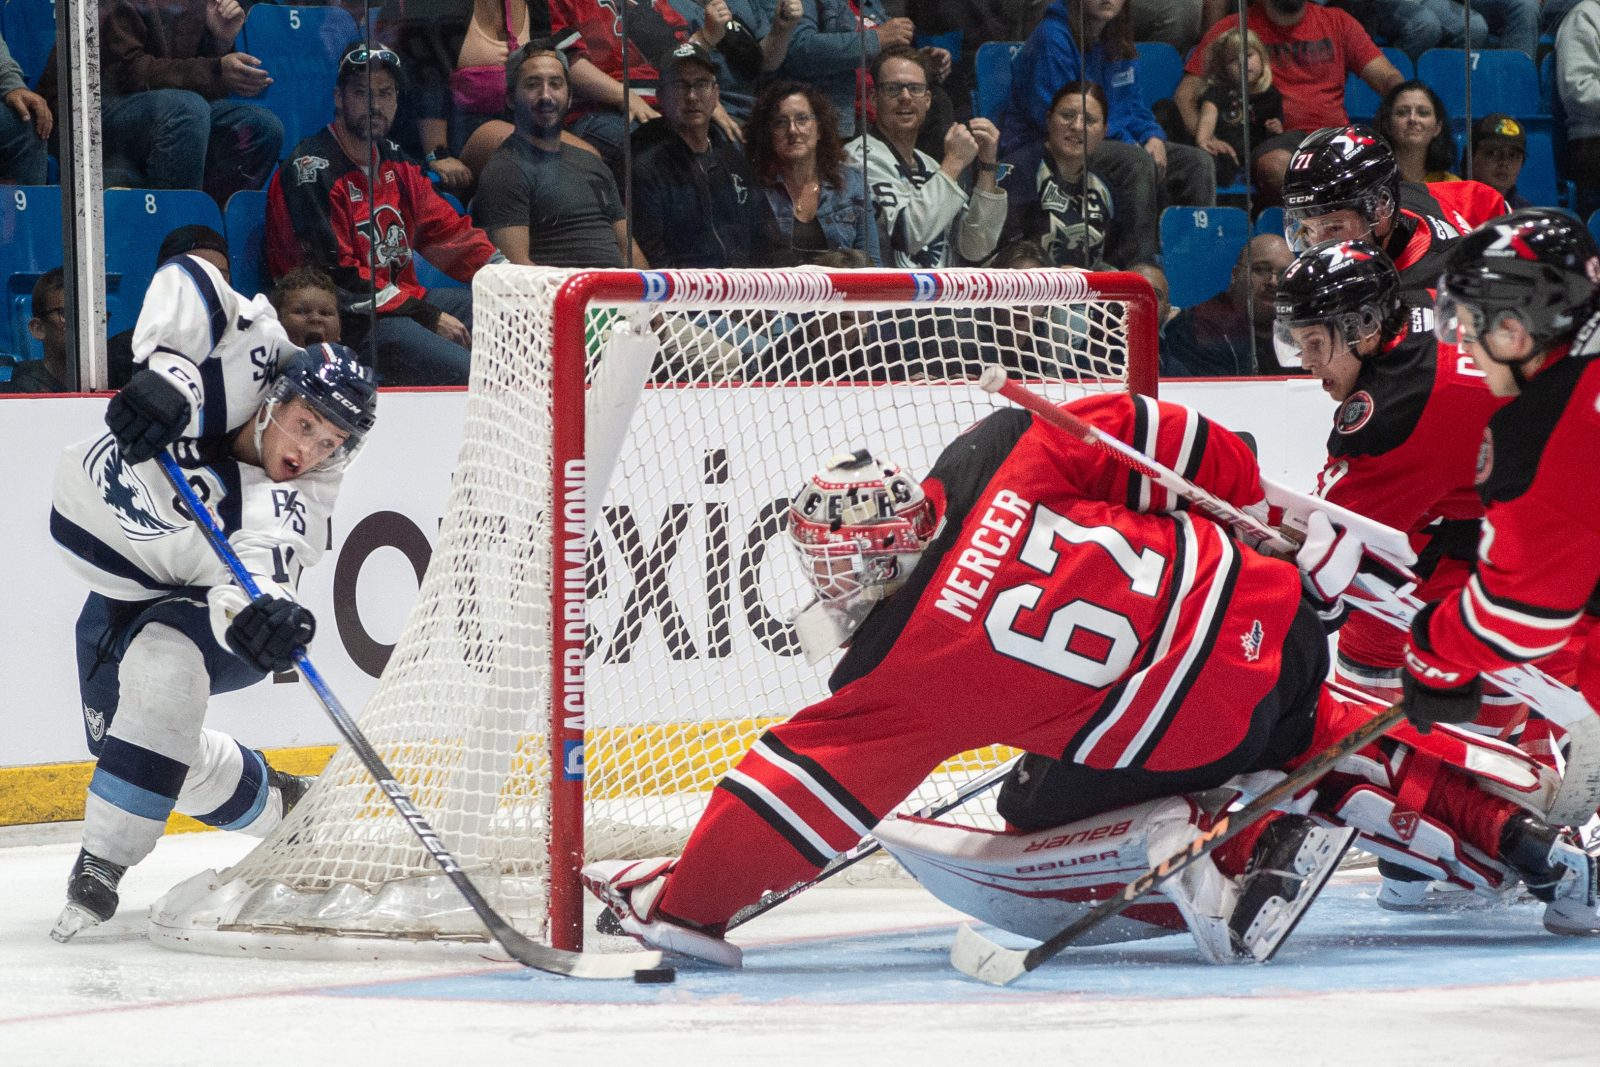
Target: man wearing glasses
{"x":925,"y":207}
{"x":696,"y":201}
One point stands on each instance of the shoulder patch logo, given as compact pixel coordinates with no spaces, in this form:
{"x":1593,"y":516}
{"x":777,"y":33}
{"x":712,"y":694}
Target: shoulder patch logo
{"x":306,"y":168}
{"x":1354,"y":413}
{"x":1251,"y":641}
{"x":96,"y":722}
{"x":125,"y":493}
{"x":1485,"y":458}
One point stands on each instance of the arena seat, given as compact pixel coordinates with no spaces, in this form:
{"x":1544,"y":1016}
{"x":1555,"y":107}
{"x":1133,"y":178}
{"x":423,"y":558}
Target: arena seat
{"x":1503,"y":80}
{"x":246,"y":222}
{"x":137,"y":220}
{"x":30,"y":245}
{"x":1360,"y":100}
{"x":992,"y":74}
{"x":1160,"y":70}
{"x":300,"y":48}
{"x":1198,"y":248}
{"x":29,"y":29}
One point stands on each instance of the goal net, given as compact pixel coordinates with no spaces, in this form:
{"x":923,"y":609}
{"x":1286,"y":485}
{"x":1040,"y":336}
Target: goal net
{"x":603,"y":629}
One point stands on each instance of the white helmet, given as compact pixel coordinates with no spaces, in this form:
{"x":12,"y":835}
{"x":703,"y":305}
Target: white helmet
{"x":859,"y":525}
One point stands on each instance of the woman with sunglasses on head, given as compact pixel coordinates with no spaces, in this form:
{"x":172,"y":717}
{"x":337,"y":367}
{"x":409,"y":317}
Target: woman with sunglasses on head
{"x":793,"y":142}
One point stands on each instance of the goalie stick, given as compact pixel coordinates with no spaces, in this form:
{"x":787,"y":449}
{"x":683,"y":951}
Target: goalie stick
{"x":523,"y":950}
{"x":1385,"y":594}
{"x":975,"y":955}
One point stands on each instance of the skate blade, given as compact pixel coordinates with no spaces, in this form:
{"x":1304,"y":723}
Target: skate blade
{"x":73,"y":918}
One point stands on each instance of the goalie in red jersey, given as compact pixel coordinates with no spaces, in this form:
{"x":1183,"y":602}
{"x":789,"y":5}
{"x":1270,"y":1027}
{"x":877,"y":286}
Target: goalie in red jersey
{"x":1035,"y":593}
{"x":1343,"y":185}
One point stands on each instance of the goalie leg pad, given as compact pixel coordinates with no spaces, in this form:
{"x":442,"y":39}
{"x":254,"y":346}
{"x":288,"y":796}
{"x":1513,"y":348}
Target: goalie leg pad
{"x":1037,"y":883}
{"x":1415,"y":840}
{"x":632,"y":890}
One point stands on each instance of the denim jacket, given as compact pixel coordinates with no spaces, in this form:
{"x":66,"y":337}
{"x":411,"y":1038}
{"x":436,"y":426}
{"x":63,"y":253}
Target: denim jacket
{"x":839,"y":210}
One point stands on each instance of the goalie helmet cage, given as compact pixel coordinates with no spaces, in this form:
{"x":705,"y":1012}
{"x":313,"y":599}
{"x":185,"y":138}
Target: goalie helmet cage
{"x":601,"y":630}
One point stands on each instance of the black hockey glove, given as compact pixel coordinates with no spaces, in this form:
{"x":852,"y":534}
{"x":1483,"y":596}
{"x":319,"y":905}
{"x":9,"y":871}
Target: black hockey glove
{"x":270,"y":631}
{"x":1431,"y":689}
{"x":147,"y":415}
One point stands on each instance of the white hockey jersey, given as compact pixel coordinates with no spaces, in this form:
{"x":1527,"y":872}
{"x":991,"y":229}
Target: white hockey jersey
{"x":121,"y":529}
{"x":926,"y":213}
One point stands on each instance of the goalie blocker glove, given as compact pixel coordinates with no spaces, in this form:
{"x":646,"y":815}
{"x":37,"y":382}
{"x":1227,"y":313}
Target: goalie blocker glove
{"x":269,"y":632}
{"x":146,"y":415}
{"x":1432,"y":690}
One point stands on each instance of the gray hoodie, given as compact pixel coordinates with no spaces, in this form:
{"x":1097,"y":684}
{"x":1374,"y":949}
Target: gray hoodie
{"x":1578,"y":69}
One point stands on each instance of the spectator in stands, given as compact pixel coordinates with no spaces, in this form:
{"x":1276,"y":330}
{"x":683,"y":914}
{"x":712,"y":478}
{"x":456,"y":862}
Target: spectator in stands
{"x":1226,"y":113}
{"x":171,"y":115}
{"x":1414,"y":26}
{"x":1231,"y":334}
{"x":1135,"y":160}
{"x":1503,"y":24}
{"x":793,"y":142}
{"x":1174,"y":22}
{"x":307,"y":303}
{"x":25,"y":124}
{"x":1312,"y":48}
{"x":202,"y":242}
{"x":1158,"y":283}
{"x":49,"y":327}
{"x":756,"y":44}
{"x":591,"y":31}
{"x":1499,"y":147}
{"x":1412,"y":118}
{"x":931,"y":218}
{"x":696,"y":202}
{"x":1054,"y":199}
{"x":1578,"y":81}
{"x":1552,"y":13}
{"x":325,"y":210}
{"x":964,"y":26}
{"x":833,"y":38}
{"x":543,"y":201}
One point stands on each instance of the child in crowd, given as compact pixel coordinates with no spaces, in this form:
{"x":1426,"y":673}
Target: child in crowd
{"x":308,"y":306}
{"x":1222,"y":117}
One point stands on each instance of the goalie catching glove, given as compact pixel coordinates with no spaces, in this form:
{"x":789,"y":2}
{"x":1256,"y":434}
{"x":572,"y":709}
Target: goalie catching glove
{"x":146,"y":415}
{"x":265,"y":632}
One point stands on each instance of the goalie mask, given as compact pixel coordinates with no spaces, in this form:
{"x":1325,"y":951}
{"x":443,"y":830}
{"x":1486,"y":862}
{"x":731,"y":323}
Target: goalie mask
{"x":859,"y":526}
{"x":332,"y":382}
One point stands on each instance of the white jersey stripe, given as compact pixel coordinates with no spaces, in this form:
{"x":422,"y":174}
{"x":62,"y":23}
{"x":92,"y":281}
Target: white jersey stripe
{"x":812,"y":786}
{"x":1489,"y":606}
{"x":1497,"y":639}
{"x":783,"y":811}
{"x":1165,"y":706}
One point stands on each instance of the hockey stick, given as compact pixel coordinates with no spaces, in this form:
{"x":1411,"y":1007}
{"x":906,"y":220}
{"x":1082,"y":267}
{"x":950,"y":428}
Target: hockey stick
{"x":975,"y":955}
{"x":526,"y":952}
{"x":869,"y":845}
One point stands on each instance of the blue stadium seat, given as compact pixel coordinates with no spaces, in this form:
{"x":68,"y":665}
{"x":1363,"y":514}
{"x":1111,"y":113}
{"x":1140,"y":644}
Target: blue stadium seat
{"x":246,"y":221}
{"x":1160,"y":69}
{"x":1503,"y":80}
{"x":30,"y":244}
{"x":1538,"y":180}
{"x":1594,"y":225}
{"x":1269,"y":221}
{"x":300,"y":48}
{"x":1360,"y":101}
{"x":137,"y":220}
{"x":1547,"y":84}
{"x":993,"y":75}
{"x":29,"y":29}
{"x":1198,"y":248}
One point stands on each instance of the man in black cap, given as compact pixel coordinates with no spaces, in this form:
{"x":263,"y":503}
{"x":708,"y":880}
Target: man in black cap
{"x":1499,"y":147}
{"x":349,"y":202}
{"x":696,"y":202}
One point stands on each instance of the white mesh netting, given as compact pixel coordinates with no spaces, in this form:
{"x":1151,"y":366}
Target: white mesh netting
{"x":753,"y":378}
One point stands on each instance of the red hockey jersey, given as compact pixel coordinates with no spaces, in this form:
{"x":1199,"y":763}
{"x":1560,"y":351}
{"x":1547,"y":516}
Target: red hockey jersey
{"x":1539,"y":557}
{"x":1431,"y":217}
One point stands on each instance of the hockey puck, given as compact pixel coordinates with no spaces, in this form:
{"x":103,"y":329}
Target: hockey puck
{"x":655,"y":976}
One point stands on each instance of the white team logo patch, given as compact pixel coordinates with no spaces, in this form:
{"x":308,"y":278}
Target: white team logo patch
{"x":96,"y":723}
{"x":306,"y":167}
{"x":126,"y":493}
{"x":1252,"y":640}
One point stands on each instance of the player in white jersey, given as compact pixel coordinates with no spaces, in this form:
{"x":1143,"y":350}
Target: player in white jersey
{"x":263,"y":432}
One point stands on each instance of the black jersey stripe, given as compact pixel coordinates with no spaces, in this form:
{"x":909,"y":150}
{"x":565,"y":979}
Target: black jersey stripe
{"x":772,"y":818}
{"x":214,"y":409}
{"x":828,"y":782}
{"x":95,"y":552}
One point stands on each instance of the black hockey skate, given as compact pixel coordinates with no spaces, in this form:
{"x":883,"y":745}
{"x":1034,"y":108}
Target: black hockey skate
{"x":91,"y":895}
{"x":1557,"y":871}
{"x":289,"y":786}
{"x":1288,"y":867}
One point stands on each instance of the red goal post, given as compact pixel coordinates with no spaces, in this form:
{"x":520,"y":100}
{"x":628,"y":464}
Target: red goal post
{"x":602,"y":628}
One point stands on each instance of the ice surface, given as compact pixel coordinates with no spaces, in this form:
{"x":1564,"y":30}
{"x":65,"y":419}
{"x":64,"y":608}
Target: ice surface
{"x":835,"y":976}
